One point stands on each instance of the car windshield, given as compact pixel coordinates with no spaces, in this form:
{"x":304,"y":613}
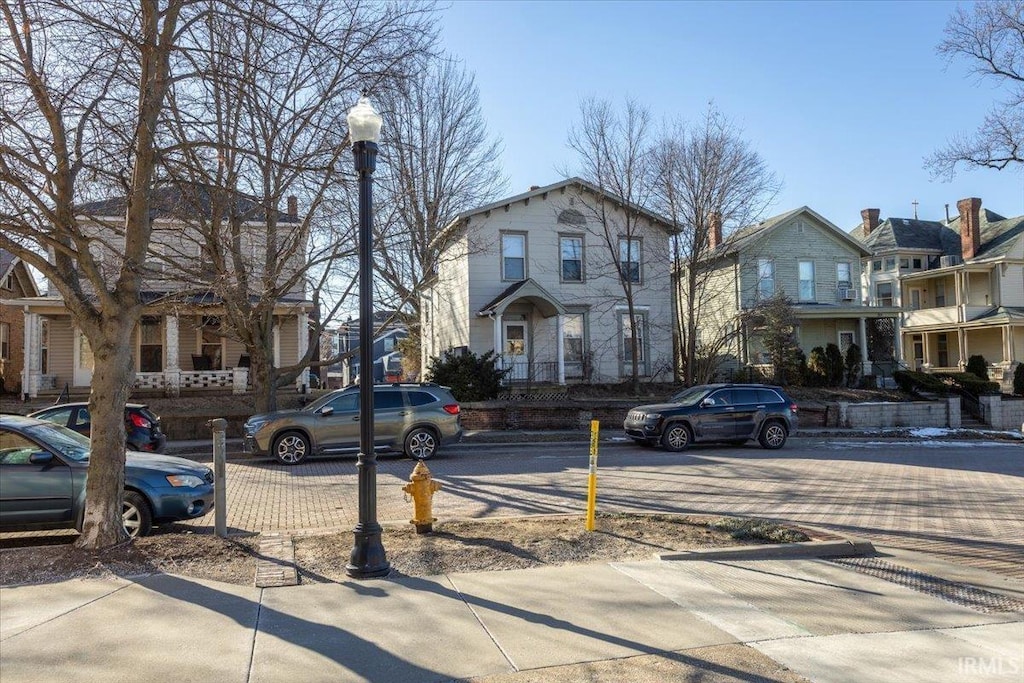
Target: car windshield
{"x":61,"y":439}
{"x":689,"y":397}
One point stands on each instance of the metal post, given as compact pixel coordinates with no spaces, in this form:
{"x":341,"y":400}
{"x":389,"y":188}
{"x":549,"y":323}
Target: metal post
{"x":220,"y":512}
{"x":367,"y":559}
{"x":595,"y":429}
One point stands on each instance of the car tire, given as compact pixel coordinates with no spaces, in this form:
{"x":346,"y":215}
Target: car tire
{"x":773,"y":435}
{"x":136,"y":515}
{"x":676,"y":437}
{"x":291,"y":448}
{"x":421,"y":444}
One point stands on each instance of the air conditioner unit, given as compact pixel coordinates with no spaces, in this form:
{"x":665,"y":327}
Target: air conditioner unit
{"x":847,"y":293}
{"x":947,"y":261}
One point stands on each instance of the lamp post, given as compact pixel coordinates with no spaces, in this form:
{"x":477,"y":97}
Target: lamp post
{"x":367,"y":559}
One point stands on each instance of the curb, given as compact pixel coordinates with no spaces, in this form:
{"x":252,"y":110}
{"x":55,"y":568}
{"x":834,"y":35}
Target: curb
{"x":781,"y":551}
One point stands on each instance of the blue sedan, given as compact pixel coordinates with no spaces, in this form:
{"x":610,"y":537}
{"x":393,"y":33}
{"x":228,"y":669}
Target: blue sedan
{"x":43,"y":467}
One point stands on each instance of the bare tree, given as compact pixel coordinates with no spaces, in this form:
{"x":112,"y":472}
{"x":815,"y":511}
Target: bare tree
{"x":990,"y":35}
{"x":438,"y":161}
{"x":707,"y":180}
{"x":613,"y":150}
{"x":267,"y":124}
{"x":82,"y":90}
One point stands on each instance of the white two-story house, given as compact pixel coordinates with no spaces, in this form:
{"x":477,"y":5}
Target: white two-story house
{"x":541,"y":279}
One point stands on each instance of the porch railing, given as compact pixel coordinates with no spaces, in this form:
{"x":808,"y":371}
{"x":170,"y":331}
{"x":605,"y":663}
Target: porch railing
{"x":173,"y":381}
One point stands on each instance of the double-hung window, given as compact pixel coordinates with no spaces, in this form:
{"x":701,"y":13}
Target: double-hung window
{"x":883,"y":294}
{"x":628,"y":332}
{"x":572,"y":342}
{"x":843,"y":277}
{"x":629,"y":259}
{"x":571,"y":248}
{"x":5,"y":341}
{"x":807,"y":281}
{"x":513,"y":256}
{"x":765,"y":278}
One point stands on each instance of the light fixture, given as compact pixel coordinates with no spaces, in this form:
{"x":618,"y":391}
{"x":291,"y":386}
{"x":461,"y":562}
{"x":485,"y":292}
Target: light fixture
{"x":363,"y":122}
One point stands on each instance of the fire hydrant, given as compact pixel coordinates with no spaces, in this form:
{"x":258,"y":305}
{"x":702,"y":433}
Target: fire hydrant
{"x":421,"y":487}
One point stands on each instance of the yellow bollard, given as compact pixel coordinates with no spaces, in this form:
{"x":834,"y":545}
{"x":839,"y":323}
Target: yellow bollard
{"x":421,"y":487}
{"x":595,"y":428}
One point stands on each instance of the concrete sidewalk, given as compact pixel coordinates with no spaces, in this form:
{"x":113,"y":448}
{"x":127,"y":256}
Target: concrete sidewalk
{"x":721,"y":620}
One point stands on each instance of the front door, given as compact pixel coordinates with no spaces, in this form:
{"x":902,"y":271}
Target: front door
{"x":515,"y":350}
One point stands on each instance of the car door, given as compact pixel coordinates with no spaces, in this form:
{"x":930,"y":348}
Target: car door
{"x":338,"y":431}
{"x":714,"y":416}
{"x":32,"y":493}
{"x":746,"y":410}
{"x":389,"y":412}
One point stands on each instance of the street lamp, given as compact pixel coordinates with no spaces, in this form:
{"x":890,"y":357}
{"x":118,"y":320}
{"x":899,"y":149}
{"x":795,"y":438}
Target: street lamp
{"x":367,"y":559}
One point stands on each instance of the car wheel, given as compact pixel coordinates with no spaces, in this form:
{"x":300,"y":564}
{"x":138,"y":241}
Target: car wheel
{"x":773,"y":435}
{"x":421,"y":444}
{"x":676,"y":437}
{"x":136,"y":515}
{"x":291,"y":448}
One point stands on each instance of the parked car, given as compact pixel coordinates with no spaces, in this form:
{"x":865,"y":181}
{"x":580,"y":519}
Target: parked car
{"x":733,"y":413}
{"x":43,"y":467}
{"x":141,"y":425}
{"x":415,"y":419}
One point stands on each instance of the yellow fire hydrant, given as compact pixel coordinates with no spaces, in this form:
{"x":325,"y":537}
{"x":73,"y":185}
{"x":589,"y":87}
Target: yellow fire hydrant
{"x":421,"y":487}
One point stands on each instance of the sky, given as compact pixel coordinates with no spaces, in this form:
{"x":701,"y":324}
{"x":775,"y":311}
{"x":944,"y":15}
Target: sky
{"x":843,"y":100}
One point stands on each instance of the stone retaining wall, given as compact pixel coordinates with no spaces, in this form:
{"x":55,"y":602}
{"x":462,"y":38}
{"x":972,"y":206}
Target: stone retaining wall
{"x":945,"y":413}
{"x":1002,"y":413}
{"x":535,"y":415}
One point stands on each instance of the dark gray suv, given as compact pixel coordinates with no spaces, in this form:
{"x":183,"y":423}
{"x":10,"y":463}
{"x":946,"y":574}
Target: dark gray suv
{"x":733,"y":413}
{"x":415,"y":419}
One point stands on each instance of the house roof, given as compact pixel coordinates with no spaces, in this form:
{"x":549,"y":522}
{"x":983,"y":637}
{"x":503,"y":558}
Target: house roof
{"x":750,"y":234}
{"x":177,"y":200}
{"x":8,"y":262}
{"x":540,"y":191}
{"x":998,"y":235}
{"x":524,"y":289}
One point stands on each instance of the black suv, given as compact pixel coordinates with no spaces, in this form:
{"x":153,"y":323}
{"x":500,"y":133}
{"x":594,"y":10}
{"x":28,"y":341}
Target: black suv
{"x":733,"y":413}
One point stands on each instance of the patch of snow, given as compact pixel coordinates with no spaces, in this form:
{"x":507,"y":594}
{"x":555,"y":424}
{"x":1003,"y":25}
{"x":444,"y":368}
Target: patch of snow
{"x":930,"y":431}
{"x":917,"y":444}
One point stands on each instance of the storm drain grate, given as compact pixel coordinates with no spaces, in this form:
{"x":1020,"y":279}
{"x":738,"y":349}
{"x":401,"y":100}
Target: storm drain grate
{"x":950,"y":591}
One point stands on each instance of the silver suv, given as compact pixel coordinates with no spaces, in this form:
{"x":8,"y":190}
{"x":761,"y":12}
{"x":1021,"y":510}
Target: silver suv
{"x":415,"y":419}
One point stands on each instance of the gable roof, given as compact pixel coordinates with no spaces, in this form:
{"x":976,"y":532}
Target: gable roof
{"x":524,"y":289}
{"x":8,"y":262}
{"x":998,"y":235}
{"x":751,"y":234}
{"x":181,"y":199}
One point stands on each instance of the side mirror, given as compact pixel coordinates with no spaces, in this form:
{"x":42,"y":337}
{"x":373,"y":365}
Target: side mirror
{"x":707,"y":403}
{"x":40,"y":458}
{"x":326,"y":410}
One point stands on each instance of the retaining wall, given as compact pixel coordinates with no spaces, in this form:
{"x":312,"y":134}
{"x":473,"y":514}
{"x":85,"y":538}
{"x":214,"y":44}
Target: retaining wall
{"x":945,"y":413}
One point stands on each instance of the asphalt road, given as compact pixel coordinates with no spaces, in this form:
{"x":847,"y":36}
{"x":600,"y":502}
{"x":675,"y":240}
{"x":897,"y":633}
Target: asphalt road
{"x":960,"y":500}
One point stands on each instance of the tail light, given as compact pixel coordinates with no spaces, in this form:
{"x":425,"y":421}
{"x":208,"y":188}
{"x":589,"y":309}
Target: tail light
{"x":139,"y":421}
{"x":793,"y":408}
{"x":452,"y":409}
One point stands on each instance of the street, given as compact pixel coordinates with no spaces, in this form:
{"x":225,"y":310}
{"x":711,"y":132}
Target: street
{"x":959,"y":500}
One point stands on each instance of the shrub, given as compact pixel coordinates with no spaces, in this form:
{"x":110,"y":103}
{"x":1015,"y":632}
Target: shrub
{"x":971,"y":383}
{"x":834,"y":365}
{"x":977,"y":366}
{"x":757,"y":530}
{"x":853,"y":365}
{"x":915,"y":382}
{"x":1018,"y":380}
{"x":817,"y":372}
{"x":471,"y":377}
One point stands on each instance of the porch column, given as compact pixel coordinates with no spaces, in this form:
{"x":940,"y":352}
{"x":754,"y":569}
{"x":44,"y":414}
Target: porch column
{"x":277,"y":343}
{"x":31,"y":374}
{"x":302,"y":381}
{"x":498,"y":350}
{"x":1008,"y":346}
{"x":897,"y":338}
{"x":865,"y":364}
{"x":927,"y":351}
{"x":961,"y":343}
{"x":172,"y":368}
{"x":560,"y":345}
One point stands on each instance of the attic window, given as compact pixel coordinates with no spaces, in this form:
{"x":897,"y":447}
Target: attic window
{"x":571,"y":217}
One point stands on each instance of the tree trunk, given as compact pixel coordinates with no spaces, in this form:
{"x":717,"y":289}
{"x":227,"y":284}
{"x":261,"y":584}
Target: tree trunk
{"x":264,"y":381}
{"x":104,"y":490}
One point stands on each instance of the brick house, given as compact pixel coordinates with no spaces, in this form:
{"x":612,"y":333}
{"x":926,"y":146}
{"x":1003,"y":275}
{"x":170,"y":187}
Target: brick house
{"x":16,"y":282}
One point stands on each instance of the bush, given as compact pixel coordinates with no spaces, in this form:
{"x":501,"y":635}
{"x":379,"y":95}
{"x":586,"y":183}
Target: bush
{"x":817,"y":371}
{"x":971,"y":384}
{"x":757,"y":530}
{"x":853,"y":365}
{"x":471,"y":377}
{"x":915,"y":382}
{"x":977,"y":366}
{"x":1018,"y":380}
{"x":834,"y":365}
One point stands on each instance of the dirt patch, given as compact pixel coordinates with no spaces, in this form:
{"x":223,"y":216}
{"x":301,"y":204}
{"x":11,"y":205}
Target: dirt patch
{"x":459,"y":546}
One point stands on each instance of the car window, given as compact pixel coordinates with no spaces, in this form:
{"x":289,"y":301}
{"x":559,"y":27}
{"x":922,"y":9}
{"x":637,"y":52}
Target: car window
{"x":742,"y":397}
{"x":721,"y":398}
{"x":767,"y":396}
{"x":420,"y":398}
{"x":689,"y":397}
{"x":58,"y":415}
{"x":61,"y":439}
{"x":345,"y":403}
{"x":387,"y":400}
{"x":15,"y":449}
{"x":82,"y":418}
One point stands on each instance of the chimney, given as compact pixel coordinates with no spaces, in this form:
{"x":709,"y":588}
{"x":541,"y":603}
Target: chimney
{"x":970,"y":226}
{"x":870,"y":218}
{"x":534,"y":187}
{"x":715,"y":230}
{"x":293,"y":206}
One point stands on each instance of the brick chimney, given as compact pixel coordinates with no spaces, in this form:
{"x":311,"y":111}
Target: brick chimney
{"x":970,"y":226}
{"x":715,"y":230}
{"x":870,"y":218}
{"x":293,"y":206}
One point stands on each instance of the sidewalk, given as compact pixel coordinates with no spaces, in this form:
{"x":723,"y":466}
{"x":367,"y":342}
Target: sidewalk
{"x":708,"y":620}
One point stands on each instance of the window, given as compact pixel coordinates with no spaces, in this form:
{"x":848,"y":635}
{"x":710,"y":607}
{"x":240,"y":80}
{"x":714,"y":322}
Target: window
{"x":420,"y":398}
{"x":843,"y":276}
{"x":940,"y":296}
{"x":629,"y":259}
{"x":346,"y":403}
{"x":904,"y":263}
{"x":917,"y":264}
{"x":211,"y":342}
{"x":627,"y":342}
{"x":890,"y":263}
{"x":883,"y":294}
{"x":5,"y":341}
{"x":387,"y":400}
{"x":572,"y":258}
{"x":151,"y":344}
{"x":845,"y":342}
{"x":9,"y":280}
{"x":765,"y":278}
{"x":807,"y":281}
{"x":744,"y":397}
{"x":942,"y":343}
{"x":389,"y":344}
{"x":572,"y":343}
{"x":876,"y":265}
{"x":513,"y":256}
